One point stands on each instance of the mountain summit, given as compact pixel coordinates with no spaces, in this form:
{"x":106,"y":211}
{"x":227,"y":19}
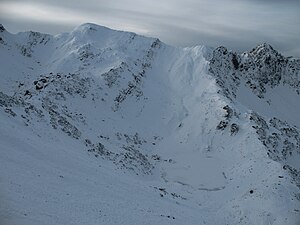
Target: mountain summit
{"x":109,"y":127}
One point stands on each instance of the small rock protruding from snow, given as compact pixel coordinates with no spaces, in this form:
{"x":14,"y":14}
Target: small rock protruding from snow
{"x":234,"y":128}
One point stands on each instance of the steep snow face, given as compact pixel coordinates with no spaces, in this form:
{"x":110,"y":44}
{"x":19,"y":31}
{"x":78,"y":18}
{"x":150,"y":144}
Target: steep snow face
{"x":108,"y":127}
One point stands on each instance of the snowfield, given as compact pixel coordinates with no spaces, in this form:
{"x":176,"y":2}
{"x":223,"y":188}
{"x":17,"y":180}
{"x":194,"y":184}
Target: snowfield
{"x":108,"y":127}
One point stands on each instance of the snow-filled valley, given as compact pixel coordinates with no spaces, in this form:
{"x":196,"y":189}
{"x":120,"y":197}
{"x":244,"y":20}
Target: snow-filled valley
{"x":108,"y":127}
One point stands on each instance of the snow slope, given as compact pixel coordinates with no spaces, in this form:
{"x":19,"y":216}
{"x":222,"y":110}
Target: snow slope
{"x":108,"y":127}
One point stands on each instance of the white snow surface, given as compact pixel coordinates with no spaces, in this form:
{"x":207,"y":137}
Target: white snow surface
{"x":154,"y":108}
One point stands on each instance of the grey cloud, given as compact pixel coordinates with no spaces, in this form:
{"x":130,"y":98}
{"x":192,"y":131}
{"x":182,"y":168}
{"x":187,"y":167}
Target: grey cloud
{"x":237,"y":24}
{"x":232,"y":39}
{"x":15,"y":26}
{"x":274,"y":1}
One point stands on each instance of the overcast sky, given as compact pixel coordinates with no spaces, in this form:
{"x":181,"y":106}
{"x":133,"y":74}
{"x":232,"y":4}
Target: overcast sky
{"x":236,"y":24}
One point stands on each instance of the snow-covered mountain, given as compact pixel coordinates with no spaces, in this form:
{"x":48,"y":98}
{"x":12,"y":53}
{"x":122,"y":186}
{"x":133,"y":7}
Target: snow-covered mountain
{"x":108,"y":127}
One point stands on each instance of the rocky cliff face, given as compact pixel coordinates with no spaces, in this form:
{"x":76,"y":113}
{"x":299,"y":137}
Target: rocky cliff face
{"x":260,"y":69}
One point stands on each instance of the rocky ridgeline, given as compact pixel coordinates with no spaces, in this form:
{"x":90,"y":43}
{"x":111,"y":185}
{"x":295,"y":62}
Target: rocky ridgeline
{"x":223,"y":66}
{"x":258,"y":69}
{"x":34,"y":39}
{"x":129,"y":155}
{"x":113,"y":75}
{"x":281,"y":139}
{"x":126,"y":78}
{"x":133,"y":87}
{"x":45,"y":100}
